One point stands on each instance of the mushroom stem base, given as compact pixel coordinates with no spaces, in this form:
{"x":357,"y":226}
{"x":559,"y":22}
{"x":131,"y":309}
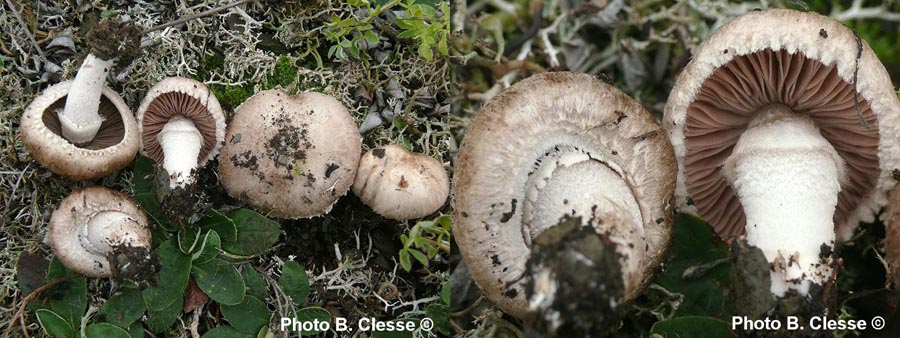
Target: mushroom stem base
{"x":788,"y":177}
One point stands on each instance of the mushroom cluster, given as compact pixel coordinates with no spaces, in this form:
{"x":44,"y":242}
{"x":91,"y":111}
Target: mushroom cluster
{"x":785,"y":129}
{"x":555,"y":147}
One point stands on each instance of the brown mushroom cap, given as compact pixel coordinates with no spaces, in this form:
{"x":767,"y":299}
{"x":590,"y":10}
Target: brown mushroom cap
{"x":801,"y":60}
{"x":89,"y":223}
{"x":293,"y":155}
{"x":178,"y":96}
{"x":532,"y":122}
{"x":399,"y":184}
{"x":111,"y":149}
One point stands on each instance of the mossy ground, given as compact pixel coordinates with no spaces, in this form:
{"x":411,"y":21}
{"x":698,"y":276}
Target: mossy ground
{"x":350,"y":254}
{"x":638,"y":46}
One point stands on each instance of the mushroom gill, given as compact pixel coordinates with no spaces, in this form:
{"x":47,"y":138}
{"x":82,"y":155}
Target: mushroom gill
{"x":733,"y":95}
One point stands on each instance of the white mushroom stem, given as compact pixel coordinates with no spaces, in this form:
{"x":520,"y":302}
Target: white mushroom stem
{"x":80,"y":119}
{"x":574,"y":184}
{"x":788,"y":177}
{"x":107,"y":229}
{"x":180,"y":141}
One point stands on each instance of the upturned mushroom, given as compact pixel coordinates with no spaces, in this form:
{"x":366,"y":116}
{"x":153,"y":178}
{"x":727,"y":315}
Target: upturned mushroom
{"x":182,"y":127}
{"x":552,"y":147}
{"x":399,"y":184}
{"x":112,"y":148}
{"x":99,"y":232}
{"x":110,"y":42}
{"x":290,"y":155}
{"x":785,"y":128}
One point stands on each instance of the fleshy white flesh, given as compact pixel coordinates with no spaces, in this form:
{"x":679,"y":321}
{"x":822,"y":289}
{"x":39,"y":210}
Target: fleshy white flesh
{"x":788,"y":177}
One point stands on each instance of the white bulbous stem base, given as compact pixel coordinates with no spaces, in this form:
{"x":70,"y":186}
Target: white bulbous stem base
{"x":180,"y":141}
{"x":80,"y":119}
{"x":575,"y":185}
{"x":788,"y":177}
{"x":107,"y":229}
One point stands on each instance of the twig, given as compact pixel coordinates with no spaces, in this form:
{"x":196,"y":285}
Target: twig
{"x":195,"y":16}
{"x":19,"y":314}
{"x":15,"y":12}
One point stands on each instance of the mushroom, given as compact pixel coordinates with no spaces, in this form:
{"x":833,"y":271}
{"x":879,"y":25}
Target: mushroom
{"x":399,"y":184}
{"x":551,"y":147}
{"x":182,"y":127}
{"x":784,"y":127}
{"x":110,"y":41}
{"x":111,"y":149}
{"x":292,"y":155}
{"x":99,"y":232}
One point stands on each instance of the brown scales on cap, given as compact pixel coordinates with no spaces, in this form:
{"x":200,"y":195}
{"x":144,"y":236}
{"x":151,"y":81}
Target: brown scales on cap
{"x":170,"y":104}
{"x":732,"y":95}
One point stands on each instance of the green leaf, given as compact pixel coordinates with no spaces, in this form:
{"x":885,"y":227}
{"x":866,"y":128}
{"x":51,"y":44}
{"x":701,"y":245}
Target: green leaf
{"x":105,"y":330}
{"x":445,"y":293}
{"x":223,"y":225}
{"x":165,"y":300}
{"x":409,"y":34}
{"x":294,"y":281}
{"x":248,"y":316}
{"x":54,"y":324}
{"x":255,"y":233}
{"x":123,"y":308}
{"x":67,"y":299}
{"x":188,"y":238}
{"x":425,"y":51}
{"x":220,"y":281}
{"x":442,"y":45}
{"x":151,"y":206}
{"x":404,"y":259}
{"x":419,"y":256}
{"x":226,"y":332}
{"x":136,"y":330}
{"x":694,"y":244}
{"x":208,"y":249}
{"x":256,"y":285}
{"x":144,"y":174}
{"x":173,"y":278}
{"x":440,"y":316}
{"x":309,"y":314}
{"x":161,"y":319}
{"x":692,"y":326}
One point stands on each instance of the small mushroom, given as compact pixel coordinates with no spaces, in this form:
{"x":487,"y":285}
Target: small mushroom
{"x":784,"y":127}
{"x":552,"y":147}
{"x":399,"y":184}
{"x":110,"y":41}
{"x":111,"y":149}
{"x":99,"y":232}
{"x":182,"y":127}
{"x":292,"y":155}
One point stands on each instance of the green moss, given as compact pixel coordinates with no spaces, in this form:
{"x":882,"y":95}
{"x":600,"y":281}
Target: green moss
{"x":283,"y":75}
{"x":232,"y":96}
